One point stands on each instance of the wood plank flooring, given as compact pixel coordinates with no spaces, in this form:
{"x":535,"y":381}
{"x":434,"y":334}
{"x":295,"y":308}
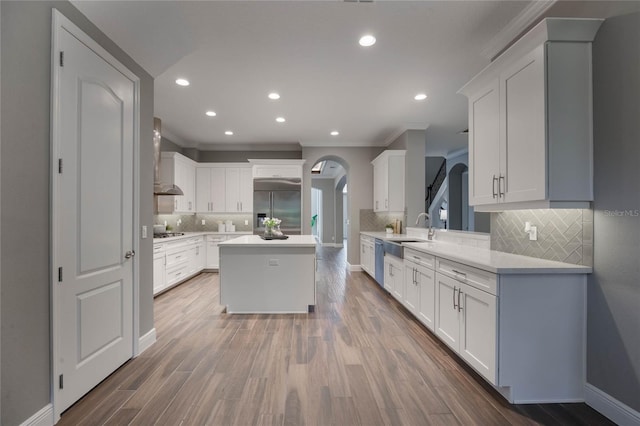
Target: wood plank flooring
{"x":359,"y":359}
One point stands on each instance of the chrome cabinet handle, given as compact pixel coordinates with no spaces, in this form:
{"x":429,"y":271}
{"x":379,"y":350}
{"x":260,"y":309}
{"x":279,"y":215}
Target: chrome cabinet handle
{"x":459,"y":273}
{"x":129,"y":254}
{"x":493,"y":187}
{"x":459,"y":305}
{"x":501,"y":186}
{"x":454,"y":297}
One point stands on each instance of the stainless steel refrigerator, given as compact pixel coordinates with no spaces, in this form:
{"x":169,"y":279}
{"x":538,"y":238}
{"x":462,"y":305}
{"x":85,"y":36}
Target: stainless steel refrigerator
{"x":280,"y":198}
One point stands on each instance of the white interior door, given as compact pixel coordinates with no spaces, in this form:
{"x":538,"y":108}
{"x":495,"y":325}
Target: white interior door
{"x":93,"y":243}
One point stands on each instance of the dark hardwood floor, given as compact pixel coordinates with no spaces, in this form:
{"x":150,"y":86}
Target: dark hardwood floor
{"x":359,"y":359}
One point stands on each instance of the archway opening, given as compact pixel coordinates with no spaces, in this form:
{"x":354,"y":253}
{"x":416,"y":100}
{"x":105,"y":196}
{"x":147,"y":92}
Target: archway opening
{"x":329,"y":201}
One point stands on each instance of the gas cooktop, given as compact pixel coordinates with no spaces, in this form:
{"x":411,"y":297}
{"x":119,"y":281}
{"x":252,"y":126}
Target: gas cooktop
{"x":168,"y":234}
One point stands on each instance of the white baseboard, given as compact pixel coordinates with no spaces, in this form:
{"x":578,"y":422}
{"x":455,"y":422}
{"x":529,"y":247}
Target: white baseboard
{"x":331,"y":245}
{"x":354,"y":268}
{"x":610,"y":407}
{"x":44,"y":417}
{"x":146,"y":341}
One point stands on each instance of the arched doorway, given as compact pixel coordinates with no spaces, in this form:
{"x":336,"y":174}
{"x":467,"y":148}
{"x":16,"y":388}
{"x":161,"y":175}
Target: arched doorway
{"x":329,"y":176}
{"x":458,"y":206}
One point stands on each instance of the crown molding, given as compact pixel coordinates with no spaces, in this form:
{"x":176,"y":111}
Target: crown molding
{"x":515,"y":27}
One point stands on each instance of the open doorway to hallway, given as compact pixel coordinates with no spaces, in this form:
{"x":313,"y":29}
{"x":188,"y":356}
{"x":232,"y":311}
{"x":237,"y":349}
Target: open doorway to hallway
{"x":329,"y":203}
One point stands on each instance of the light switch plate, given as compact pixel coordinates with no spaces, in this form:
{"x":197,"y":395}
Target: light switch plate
{"x":246,"y":222}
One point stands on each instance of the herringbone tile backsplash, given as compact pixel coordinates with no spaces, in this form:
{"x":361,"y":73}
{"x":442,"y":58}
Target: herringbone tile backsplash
{"x":375,"y":222}
{"x":564,"y":235}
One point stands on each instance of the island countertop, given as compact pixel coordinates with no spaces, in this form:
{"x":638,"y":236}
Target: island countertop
{"x":256,"y":241}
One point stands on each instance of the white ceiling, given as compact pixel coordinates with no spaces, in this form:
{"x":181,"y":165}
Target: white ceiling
{"x":235,"y":52}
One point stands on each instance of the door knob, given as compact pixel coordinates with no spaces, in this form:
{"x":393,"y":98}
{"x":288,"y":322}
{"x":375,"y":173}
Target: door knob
{"x":129,"y":254}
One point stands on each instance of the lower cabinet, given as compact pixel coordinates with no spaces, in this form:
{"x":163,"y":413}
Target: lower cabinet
{"x":466,"y":322}
{"x":159,"y":268}
{"x":175,"y":261}
{"x":368,"y":254}
{"x":394,"y":276}
{"x":419,"y":286}
{"x":213,"y":251}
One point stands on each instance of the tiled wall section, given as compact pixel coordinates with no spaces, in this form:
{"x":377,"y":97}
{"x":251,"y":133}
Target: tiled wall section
{"x":375,"y":222}
{"x":564,"y":235}
{"x":193,"y":222}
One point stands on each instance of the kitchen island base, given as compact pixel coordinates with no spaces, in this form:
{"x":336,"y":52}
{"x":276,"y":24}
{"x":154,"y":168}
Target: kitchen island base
{"x":262,"y":276}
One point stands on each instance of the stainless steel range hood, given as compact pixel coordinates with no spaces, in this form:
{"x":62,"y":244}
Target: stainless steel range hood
{"x":160,"y":188}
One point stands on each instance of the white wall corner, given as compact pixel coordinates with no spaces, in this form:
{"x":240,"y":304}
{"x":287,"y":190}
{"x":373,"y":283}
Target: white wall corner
{"x":145,"y":342}
{"x":610,"y":407}
{"x":44,"y":417}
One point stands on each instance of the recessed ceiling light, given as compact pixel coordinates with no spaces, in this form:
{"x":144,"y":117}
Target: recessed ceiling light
{"x":335,"y":133}
{"x":211,"y":113}
{"x":367,"y":40}
{"x":182,"y":82}
{"x":420,"y":97}
{"x":274,"y":96}
{"x":228,"y":133}
{"x":280,"y":120}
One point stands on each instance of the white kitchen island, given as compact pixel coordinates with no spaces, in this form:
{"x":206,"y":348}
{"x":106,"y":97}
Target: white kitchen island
{"x":268,"y":276}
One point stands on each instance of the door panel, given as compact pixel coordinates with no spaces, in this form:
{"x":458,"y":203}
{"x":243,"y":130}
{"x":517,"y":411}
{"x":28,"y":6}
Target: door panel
{"x":426,"y":307}
{"x":447,"y":317}
{"x":93,"y":226}
{"x":478,"y":331}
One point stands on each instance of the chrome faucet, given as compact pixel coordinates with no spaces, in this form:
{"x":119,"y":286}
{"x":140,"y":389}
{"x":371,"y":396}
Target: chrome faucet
{"x":431,"y":232}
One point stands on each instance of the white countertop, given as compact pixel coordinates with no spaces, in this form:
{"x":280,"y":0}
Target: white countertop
{"x":195,"y":234}
{"x":488,"y":260}
{"x":256,"y":241}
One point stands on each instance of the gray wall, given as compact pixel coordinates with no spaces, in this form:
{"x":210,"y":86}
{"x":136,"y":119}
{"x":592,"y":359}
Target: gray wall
{"x":167,"y":145}
{"x":613,"y":337}
{"x":25,"y":176}
{"x":357,"y":163}
{"x":431,"y":168}
{"x":327,"y":186}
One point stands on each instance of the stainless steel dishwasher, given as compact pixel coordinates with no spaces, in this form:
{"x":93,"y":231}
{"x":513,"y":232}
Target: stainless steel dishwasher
{"x":379,"y":276}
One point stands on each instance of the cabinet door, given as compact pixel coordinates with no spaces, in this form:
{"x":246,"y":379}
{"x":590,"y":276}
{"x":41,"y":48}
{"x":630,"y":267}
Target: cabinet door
{"x":363,"y":256}
{"x":447,"y":314}
{"x":213,"y":255}
{"x":378,"y":186}
{"x":159,"y":274}
{"x":232,"y":185}
{"x":484,"y":146}
{"x":389,"y":276}
{"x":203,"y":190}
{"x":190,"y":184}
{"x":427,"y":305}
{"x":394,"y":194}
{"x":478,"y":331}
{"x":246,"y":190}
{"x":523,"y":156}
{"x":218,"y":189}
{"x":411,"y":287}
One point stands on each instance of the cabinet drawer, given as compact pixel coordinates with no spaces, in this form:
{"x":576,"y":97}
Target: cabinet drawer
{"x":422,"y":259}
{"x":366,"y":238}
{"x":277,"y":171}
{"x":482,"y":280}
{"x":177,"y":258}
{"x":177,"y":274}
{"x":158,"y":249}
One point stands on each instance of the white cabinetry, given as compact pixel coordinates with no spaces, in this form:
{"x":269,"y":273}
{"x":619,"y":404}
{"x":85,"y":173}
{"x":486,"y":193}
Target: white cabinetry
{"x":394,"y":276}
{"x":388,"y":181}
{"x":367,"y":254}
{"x":419,"y":287}
{"x":239,"y":189}
{"x":224,"y":188}
{"x":213,"y":251}
{"x":210,"y":189}
{"x":466,"y":316}
{"x":181,"y":171}
{"x":530,"y":121}
{"x":277,"y":171}
{"x":175,"y":261}
{"x":159,"y":270}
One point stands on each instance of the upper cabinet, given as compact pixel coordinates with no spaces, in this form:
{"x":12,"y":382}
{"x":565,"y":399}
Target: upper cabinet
{"x":224,"y":188}
{"x":530,"y":121}
{"x":388,"y":181}
{"x":181,"y":171}
{"x":268,"y":168}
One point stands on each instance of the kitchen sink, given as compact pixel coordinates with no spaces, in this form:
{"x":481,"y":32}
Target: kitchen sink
{"x":396,"y":248}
